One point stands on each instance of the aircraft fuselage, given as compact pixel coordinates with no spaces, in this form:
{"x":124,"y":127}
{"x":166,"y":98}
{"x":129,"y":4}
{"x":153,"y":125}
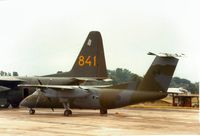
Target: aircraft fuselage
{"x":96,"y":99}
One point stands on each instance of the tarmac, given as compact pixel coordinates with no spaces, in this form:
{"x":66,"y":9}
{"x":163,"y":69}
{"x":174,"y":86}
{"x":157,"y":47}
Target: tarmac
{"x":118,"y":122}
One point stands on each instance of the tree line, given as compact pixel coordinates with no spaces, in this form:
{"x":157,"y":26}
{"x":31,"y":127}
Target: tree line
{"x":124,"y":75}
{"x":3,"y":73}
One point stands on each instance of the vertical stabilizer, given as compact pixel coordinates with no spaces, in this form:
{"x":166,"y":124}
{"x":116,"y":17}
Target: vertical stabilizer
{"x":159,"y":75}
{"x":91,"y":60}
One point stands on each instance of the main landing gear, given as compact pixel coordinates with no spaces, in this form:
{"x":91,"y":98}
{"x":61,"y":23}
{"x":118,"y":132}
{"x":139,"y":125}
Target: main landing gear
{"x":31,"y":111}
{"x":103,"y":111}
{"x":67,"y":111}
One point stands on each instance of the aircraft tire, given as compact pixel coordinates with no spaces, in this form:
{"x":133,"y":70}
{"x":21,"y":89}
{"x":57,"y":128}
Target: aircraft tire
{"x":67,"y":113}
{"x":5,"y":105}
{"x":103,"y":111}
{"x":31,"y":111}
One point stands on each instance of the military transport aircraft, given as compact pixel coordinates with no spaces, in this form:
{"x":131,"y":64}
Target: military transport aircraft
{"x":89,"y":65}
{"x":153,"y":87}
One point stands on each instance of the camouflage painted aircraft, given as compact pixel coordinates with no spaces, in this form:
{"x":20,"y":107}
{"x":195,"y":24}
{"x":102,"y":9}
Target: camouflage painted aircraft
{"x":153,"y":87}
{"x":89,"y":65}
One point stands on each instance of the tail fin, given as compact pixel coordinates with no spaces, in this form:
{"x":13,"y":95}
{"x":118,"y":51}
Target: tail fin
{"x":90,"y":61}
{"x":160,"y":73}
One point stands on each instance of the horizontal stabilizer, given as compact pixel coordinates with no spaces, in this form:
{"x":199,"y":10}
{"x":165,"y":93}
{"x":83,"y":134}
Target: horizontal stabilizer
{"x":167,"y":54}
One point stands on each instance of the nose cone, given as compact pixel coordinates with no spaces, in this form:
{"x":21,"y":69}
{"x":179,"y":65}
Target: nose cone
{"x":29,"y":101}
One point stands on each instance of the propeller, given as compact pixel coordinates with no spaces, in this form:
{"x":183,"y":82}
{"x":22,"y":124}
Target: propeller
{"x":39,"y":94}
{"x":38,"y":90}
{"x":38,"y":98}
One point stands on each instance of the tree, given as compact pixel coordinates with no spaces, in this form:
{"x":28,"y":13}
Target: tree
{"x":184,"y":83}
{"x":1,"y":73}
{"x":122,"y":75}
{"x":15,"y":74}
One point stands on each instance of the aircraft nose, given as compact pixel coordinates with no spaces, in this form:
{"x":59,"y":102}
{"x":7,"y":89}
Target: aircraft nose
{"x":28,"y":102}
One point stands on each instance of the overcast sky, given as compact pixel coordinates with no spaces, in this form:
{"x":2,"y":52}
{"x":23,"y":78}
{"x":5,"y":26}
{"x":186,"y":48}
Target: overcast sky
{"x":39,"y":37}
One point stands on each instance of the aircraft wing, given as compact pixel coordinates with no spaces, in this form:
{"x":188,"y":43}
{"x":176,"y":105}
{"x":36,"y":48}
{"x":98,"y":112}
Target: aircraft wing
{"x":167,"y":54}
{"x":10,"y":79}
{"x":80,"y":80}
{"x":56,"y":91}
{"x":56,"y":87}
{"x":3,"y":88}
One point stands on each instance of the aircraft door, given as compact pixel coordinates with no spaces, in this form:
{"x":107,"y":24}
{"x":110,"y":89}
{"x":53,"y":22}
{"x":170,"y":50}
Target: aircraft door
{"x":25,"y":92}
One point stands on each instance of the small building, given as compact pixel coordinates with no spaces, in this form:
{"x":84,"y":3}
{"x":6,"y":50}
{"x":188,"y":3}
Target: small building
{"x":191,"y":100}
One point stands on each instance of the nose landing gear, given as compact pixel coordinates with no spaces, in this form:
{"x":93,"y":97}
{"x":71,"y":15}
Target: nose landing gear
{"x":31,"y":111}
{"x":67,"y":112}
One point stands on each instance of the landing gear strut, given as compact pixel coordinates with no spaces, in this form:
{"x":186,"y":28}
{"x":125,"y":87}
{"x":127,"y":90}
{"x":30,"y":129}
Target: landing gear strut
{"x":31,"y":111}
{"x":67,"y":111}
{"x":103,"y":111}
{"x":14,"y":105}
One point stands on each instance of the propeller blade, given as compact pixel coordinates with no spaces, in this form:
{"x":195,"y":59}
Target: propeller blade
{"x":39,"y":82}
{"x":47,"y":97}
{"x":38,"y":98}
